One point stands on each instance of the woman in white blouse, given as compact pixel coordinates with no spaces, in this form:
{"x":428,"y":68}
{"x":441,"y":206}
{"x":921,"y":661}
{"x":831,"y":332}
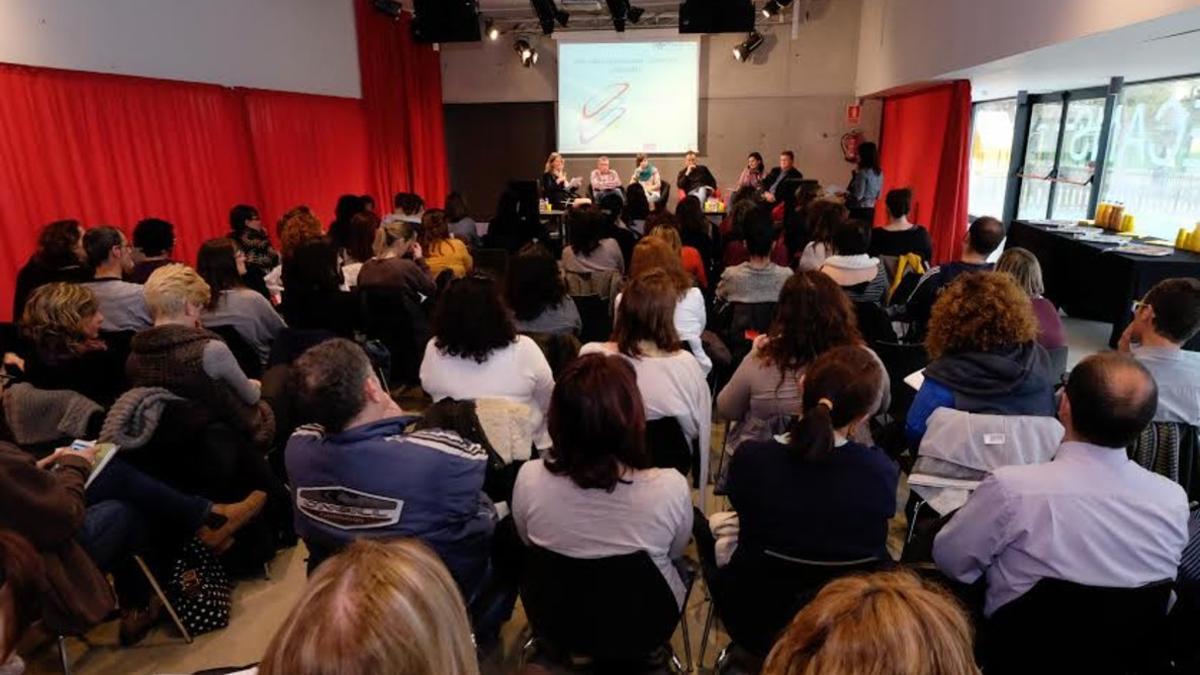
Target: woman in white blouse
{"x":476,"y":353}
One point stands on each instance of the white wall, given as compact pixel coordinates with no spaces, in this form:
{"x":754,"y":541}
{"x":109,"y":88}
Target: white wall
{"x":291,"y":45}
{"x":793,"y":94}
{"x":903,"y":42}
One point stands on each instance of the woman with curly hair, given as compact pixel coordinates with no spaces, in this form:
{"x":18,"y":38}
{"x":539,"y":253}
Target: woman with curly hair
{"x":476,"y":353}
{"x":297,"y":227}
{"x":982,"y":340}
{"x":59,"y":257}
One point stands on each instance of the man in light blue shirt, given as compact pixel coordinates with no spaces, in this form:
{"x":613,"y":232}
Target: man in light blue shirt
{"x":122,"y":304}
{"x":1162,"y":323}
{"x":1091,"y":516}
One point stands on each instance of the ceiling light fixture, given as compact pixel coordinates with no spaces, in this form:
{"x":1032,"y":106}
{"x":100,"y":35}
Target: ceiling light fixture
{"x":752,"y":42}
{"x":492,"y":30}
{"x":526,"y":52}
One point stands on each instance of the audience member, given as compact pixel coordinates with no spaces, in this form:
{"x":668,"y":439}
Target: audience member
{"x":888,"y":623}
{"x":604,"y":180}
{"x":61,"y":325}
{"x":515,"y":223}
{"x":153,"y":241}
{"x":222,"y":265}
{"x":459,"y":221}
{"x":780,"y":176}
{"x":814,"y":493}
{"x":408,"y":208}
{"x":537,"y":294}
{"x":647,"y":176}
{"x":247,"y":229}
{"x":862,"y":277}
{"x":985,"y":357}
{"x":797,"y":230}
{"x":690,"y":316}
{"x":670,"y":379}
{"x":752,"y":175}
{"x":589,"y":250}
{"x":559,"y":190}
{"x":476,"y":353}
{"x":757,"y":280}
{"x":1024,"y":268}
{"x":611,"y":208}
{"x":296,"y":227}
{"x":347,"y":207}
{"x":1163,"y":321}
{"x":398,"y":263}
{"x":983,"y":237}
{"x":600,"y":473}
{"x":695,"y":179}
{"x":123,"y":304}
{"x":1091,"y":516}
{"x":360,"y":246}
{"x":59,"y":257}
{"x":667,"y":231}
{"x":376,"y":608}
{"x":314,"y":298}
{"x":866,"y":182}
{"x":178,"y":355}
{"x":823,"y":218}
{"x":21,"y":581}
{"x":637,"y":209}
{"x":899,"y":236}
{"x":696,"y":231}
{"x":357,"y":461}
{"x":744,"y":205}
{"x":368,"y":203}
{"x":443,"y":252}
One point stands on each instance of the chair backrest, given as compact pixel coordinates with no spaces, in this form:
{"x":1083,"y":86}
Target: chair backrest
{"x":901,"y":360}
{"x":1171,"y":449}
{"x":1063,"y":627}
{"x":668,"y":446}
{"x":560,"y":349}
{"x":243,"y":352}
{"x":618,"y":608}
{"x":491,"y":261}
{"x":594,"y":317}
{"x":874,"y":323}
{"x":1058,"y":362}
{"x":118,"y":343}
{"x":394,"y":317}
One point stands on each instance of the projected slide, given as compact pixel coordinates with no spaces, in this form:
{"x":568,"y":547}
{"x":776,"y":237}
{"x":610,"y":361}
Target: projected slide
{"x":628,"y":97}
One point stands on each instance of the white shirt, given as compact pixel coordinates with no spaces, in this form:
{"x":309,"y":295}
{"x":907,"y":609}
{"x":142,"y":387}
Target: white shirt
{"x":518,"y":372}
{"x":1177,"y":374}
{"x":652,"y":512}
{"x":690,"y":320}
{"x":1091,"y":516}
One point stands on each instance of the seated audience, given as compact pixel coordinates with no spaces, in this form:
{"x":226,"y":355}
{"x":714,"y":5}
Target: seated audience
{"x":296,"y":227}
{"x":59,"y":257}
{"x":695,"y":179}
{"x":611,"y":208}
{"x":604,"y":180}
{"x":822,"y":219}
{"x":514,"y":223}
{"x":459,"y":221}
{"x":398,"y":263}
{"x":1091,"y":516}
{"x":247,"y":229}
{"x":899,"y":236}
{"x":153,"y":241}
{"x":1023,"y":267}
{"x":368,"y":203}
{"x":862,"y":277}
{"x":647,"y":176}
{"x":696,"y":231}
{"x":377,"y":607}
{"x":780,"y":176}
{"x":347,"y":207}
{"x":61,"y":325}
{"x":443,"y":252}
{"x":356,"y":460}
{"x":557,"y":189}
{"x":984,"y":236}
{"x":1164,"y":320}
{"x":537,"y":294}
{"x":408,"y":208}
{"x":889,"y":623}
{"x":222,"y":265}
{"x":21,"y":581}
{"x":595,"y":494}
{"x":178,"y":355}
{"x":313,"y":298}
{"x":814,"y":493}
{"x":758,"y":279}
{"x":666,"y":231}
{"x":752,"y":175}
{"x":123,"y":304}
{"x":865,"y":184}
{"x":588,"y":249}
{"x":670,"y":379}
{"x":796,"y":226}
{"x":637,"y":209}
{"x":360,"y":246}
{"x":985,"y":357}
{"x":476,"y":353}
{"x":691,"y":316}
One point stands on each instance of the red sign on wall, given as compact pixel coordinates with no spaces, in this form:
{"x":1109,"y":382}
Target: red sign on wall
{"x":853,"y":114}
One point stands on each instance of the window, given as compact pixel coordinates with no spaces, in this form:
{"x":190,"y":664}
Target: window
{"x":1044,"y":122}
{"x":991,"y":147}
{"x":1153,"y":163}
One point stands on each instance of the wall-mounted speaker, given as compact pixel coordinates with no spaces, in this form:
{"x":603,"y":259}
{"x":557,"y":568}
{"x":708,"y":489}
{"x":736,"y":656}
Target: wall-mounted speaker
{"x":716,"y":16}
{"x":446,"y":21}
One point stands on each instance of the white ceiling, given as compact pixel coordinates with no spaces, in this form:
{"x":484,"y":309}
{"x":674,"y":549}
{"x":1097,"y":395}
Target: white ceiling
{"x":1164,"y":47}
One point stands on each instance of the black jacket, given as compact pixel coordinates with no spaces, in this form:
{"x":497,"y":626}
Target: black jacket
{"x":792,"y":174}
{"x":556,"y":194}
{"x":700,"y":176}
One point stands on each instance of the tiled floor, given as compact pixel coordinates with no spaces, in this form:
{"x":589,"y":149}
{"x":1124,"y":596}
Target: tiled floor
{"x":261,"y":605}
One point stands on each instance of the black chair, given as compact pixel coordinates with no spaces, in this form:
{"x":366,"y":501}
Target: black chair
{"x":616,"y":611}
{"x":901,"y":360}
{"x":873,"y":322}
{"x":1058,"y":363}
{"x":118,"y":343}
{"x":1063,"y":627}
{"x":492,"y":262}
{"x":394,"y":317}
{"x":669,"y":447}
{"x":593,"y":313}
{"x":243,"y":352}
{"x":1171,"y":449}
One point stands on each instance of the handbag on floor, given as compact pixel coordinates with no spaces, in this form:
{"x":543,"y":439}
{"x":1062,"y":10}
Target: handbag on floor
{"x":199,"y":589}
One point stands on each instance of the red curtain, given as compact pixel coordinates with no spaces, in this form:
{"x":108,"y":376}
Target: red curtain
{"x":925,"y":146}
{"x":402,"y":100}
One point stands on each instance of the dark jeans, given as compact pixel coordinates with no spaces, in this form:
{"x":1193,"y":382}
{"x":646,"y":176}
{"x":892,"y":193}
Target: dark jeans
{"x":161,"y":505}
{"x":112,"y":532}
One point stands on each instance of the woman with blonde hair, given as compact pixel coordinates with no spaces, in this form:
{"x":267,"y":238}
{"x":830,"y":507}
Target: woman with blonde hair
{"x":398,"y":262}
{"x":442,"y":251}
{"x":655,"y":253}
{"x":376,"y":608}
{"x":556,"y":187}
{"x":888,"y":623}
{"x":1025,"y":269}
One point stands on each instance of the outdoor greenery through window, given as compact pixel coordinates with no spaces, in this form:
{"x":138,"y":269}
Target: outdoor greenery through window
{"x":991,"y":147}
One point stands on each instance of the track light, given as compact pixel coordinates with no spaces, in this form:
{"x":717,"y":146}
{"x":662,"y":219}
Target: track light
{"x":621,"y":11}
{"x":547,"y":13}
{"x":525,"y":52}
{"x":773,"y":7}
{"x":753,"y":41}
{"x":492,"y":30}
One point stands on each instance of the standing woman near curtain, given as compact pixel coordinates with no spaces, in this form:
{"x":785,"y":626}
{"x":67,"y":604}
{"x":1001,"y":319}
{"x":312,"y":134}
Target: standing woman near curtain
{"x":865,"y":184}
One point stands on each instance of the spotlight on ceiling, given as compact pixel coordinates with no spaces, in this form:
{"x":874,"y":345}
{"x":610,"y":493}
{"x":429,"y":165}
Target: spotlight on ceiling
{"x":526,"y":52}
{"x":773,"y":7}
{"x":548,"y":12}
{"x":621,"y":11}
{"x":753,"y":41}
{"x":492,"y":30}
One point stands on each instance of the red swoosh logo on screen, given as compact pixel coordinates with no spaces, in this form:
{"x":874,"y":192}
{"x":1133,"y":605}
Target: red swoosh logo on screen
{"x":601,"y":111}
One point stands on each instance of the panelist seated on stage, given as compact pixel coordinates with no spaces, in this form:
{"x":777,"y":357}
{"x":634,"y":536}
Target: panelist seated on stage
{"x":780,"y":176}
{"x":752,"y":175}
{"x":1163,"y":322}
{"x":1091,"y":516}
{"x":647,"y":175}
{"x":695,"y":178}
{"x":605,"y":180}
{"x":983,"y":238}
{"x":557,"y":188}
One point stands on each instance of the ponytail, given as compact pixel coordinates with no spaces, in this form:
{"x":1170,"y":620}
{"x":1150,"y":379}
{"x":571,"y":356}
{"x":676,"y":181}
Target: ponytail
{"x":840,"y":386}
{"x":812,"y":434}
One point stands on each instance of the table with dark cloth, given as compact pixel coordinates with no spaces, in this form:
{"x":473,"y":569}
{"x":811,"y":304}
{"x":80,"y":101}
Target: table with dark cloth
{"x":1088,"y":280}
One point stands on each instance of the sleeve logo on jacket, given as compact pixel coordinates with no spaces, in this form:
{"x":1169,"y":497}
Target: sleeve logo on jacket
{"x":347,"y":509}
